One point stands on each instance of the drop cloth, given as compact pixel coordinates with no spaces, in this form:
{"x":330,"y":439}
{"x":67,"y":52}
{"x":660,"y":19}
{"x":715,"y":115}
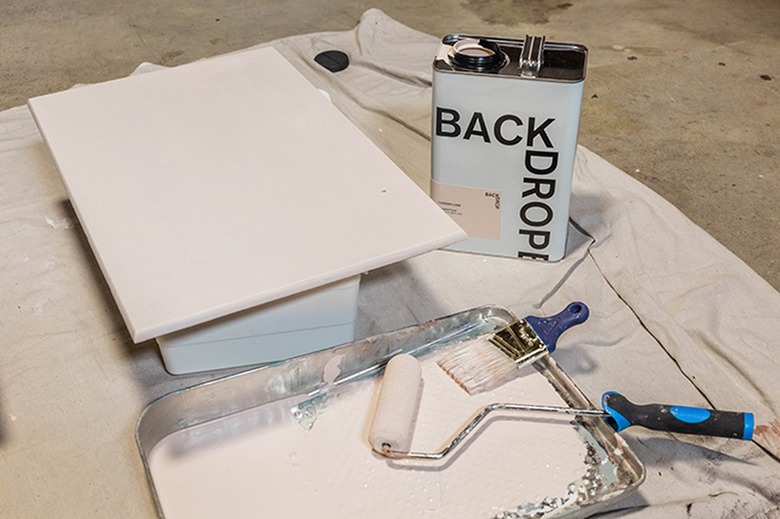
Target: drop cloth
{"x":675,"y":317}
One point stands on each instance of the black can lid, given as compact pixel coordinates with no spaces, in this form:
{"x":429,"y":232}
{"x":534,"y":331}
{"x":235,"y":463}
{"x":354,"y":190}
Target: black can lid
{"x":333,"y":60}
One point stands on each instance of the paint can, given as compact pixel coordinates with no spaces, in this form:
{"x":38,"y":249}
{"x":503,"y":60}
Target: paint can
{"x":504,"y":137}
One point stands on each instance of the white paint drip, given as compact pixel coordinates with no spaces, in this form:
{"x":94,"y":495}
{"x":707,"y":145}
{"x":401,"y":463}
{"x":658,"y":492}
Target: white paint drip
{"x":62,"y":223}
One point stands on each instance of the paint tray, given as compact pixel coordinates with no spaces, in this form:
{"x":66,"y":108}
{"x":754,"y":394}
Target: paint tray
{"x":290,"y":440}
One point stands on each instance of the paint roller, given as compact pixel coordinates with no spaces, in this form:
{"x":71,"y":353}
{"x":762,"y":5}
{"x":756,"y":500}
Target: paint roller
{"x":395,"y":415}
{"x":396,"y":410}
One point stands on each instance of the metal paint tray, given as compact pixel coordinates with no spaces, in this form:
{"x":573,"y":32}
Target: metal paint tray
{"x":290,"y":440}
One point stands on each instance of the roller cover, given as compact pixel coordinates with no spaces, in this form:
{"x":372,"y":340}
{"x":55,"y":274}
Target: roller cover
{"x":397,"y":406}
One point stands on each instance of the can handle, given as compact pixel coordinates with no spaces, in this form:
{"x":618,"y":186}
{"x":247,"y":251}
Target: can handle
{"x":532,"y":56}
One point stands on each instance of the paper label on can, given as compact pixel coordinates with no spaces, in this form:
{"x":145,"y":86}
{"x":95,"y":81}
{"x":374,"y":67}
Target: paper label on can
{"x":476,"y":210}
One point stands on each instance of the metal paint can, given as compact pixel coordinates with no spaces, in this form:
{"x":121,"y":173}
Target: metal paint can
{"x":504,"y":137}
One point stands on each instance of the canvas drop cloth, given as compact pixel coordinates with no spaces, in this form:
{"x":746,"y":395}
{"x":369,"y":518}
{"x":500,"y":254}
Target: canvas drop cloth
{"x":675,"y":317}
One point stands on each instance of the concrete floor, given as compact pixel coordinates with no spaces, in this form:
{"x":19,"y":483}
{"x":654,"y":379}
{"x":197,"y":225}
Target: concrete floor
{"x":684,"y":96}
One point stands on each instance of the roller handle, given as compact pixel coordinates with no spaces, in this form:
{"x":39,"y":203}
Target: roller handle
{"x":550,"y":328}
{"x":674,"y":418}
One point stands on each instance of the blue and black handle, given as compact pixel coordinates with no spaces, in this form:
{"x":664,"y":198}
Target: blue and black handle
{"x":674,"y":418}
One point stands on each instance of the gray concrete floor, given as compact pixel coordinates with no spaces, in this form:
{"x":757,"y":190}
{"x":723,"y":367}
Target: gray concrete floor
{"x":683,"y":96}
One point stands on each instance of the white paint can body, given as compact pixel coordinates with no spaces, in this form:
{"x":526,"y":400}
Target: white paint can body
{"x":504,"y":141}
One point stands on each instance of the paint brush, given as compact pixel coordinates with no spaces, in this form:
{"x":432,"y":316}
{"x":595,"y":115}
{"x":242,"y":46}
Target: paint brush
{"x":485,"y":365}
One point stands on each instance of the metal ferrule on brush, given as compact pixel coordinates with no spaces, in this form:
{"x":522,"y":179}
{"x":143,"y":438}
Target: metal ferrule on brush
{"x":519,"y":342}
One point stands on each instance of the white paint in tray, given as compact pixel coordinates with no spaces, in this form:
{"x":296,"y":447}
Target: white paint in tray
{"x":264,"y":463}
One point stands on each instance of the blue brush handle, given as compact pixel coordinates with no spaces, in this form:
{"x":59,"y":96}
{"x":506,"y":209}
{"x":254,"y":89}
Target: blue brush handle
{"x":675,"y":418}
{"x":550,"y":328}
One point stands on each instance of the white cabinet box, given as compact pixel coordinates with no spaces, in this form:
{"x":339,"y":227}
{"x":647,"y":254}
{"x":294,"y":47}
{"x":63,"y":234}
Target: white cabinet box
{"x":275,"y":331}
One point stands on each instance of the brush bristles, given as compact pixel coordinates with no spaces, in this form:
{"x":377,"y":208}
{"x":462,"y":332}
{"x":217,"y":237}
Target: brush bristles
{"x":485,"y":365}
{"x":477,"y":367}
